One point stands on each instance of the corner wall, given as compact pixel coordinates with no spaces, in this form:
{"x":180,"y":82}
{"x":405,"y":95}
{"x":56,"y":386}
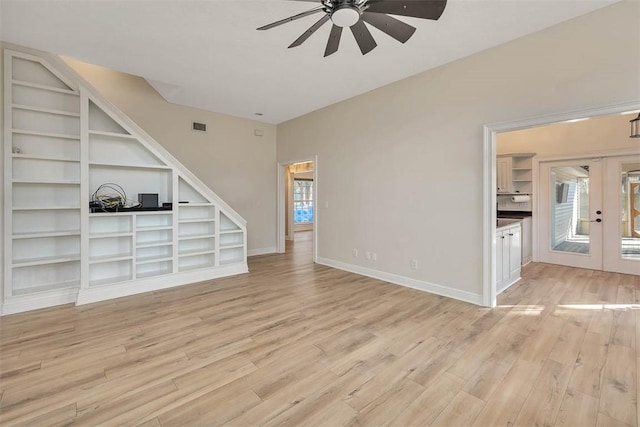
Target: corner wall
{"x":402,"y":166}
{"x":229,"y":158}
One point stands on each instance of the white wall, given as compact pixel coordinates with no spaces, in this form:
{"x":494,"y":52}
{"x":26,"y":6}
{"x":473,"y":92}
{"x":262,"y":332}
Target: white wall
{"x":2,"y":170}
{"x":229,"y":158}
{"x":597,"y":135}
{"x":401,"y":167}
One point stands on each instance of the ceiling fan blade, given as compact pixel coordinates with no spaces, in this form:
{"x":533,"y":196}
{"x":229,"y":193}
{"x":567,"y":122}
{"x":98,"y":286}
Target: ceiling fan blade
{"x":334,"y":41}
{"x":310,"y":31}
{"x":292,"y":18}
{"x":426,"y":9}
{"x":387,"y":24}
{"x":363,"y":37}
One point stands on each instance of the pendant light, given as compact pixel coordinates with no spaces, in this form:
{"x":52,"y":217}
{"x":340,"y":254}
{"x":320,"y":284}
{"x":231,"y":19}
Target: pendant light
{"x":635,"y":127}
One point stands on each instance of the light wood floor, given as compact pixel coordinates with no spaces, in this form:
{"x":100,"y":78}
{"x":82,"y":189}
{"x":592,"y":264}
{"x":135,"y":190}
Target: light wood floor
{"x":298,"y":344}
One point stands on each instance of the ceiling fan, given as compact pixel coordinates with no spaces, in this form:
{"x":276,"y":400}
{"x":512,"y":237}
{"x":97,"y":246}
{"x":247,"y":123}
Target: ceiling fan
{"x":354,"y":14}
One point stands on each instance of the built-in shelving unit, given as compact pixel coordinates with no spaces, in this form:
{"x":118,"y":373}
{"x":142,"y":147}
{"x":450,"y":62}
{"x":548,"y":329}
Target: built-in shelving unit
{"x":62,"y":142}
{"x":515,"y":173}
{"x":42,"y":180}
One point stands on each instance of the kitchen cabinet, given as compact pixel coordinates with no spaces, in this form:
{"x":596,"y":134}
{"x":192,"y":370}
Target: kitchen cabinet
{"x":504,"y":174}
{"x":508,"y":255}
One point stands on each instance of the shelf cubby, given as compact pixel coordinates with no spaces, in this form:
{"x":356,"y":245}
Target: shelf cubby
{"x":196,"y":245}
{"x":231,"y":255}
{"x":152,"y":269}
{"x":109,"y":223}
{"x":153,"y":238}
{"x":45,"y":250}
{"x":110,"y":272}
{"x":30,"y":71}
{"x":196,"y":212}
{"x":154,"y":253}
{"x":194,"y":229}
{"x":153,"y":220}
{"x":26,"y":222}
{"x":45,"y":98}
{"x":110,"y":247}
{"x":26,"y":195}
{"x":196,"y":261}
{"x":48,"y":122}
{"x":45,"y":170}
{"x":38,"y":278}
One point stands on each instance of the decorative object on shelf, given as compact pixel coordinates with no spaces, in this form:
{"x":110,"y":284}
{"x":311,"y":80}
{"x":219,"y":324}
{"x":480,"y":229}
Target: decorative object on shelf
{"x":111,"y":201}
{"x":354,"y":14}
{"x":635,"y":127}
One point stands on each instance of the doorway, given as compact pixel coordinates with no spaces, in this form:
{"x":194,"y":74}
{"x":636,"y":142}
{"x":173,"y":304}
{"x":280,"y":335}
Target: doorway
{"x":297,"y":207}
{"x":489,"y":180}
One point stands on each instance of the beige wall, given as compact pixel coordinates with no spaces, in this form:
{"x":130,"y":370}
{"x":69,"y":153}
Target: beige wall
{"x":2,"y":169}
{"x":401,"y":167}
{"x":237,"y":165}
{"x":598,"y":135}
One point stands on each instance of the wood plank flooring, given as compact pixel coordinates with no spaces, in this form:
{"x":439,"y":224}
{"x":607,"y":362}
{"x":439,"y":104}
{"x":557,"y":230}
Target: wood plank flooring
{"x":297,"y":344}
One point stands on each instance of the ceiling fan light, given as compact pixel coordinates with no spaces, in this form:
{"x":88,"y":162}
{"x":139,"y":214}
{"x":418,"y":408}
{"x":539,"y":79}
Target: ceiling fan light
{"x":345,"y":16}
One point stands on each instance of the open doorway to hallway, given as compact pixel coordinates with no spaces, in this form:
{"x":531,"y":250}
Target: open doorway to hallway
{"x":299,"y":208}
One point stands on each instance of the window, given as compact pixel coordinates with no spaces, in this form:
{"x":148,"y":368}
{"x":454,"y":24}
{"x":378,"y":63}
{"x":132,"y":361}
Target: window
{"x":302,"y":201}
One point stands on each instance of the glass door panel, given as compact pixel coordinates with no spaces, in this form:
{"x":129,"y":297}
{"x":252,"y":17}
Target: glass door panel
{"x":570,"y":213}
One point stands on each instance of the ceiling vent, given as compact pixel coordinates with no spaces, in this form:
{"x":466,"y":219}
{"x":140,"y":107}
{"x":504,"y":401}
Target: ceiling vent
{"x":198,"y":127}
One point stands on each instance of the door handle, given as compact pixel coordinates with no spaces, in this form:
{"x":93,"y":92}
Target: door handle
{"x":597,"y":220}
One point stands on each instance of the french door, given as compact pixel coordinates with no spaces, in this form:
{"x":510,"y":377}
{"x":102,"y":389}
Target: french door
{"x":589,"y":213}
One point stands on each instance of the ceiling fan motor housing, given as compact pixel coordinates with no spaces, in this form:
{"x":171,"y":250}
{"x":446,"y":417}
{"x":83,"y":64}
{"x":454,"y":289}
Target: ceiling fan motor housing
{"x":345,"y":15}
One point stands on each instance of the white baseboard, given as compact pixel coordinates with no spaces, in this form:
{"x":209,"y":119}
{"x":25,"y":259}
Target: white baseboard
{"x":408,"y":282}
{"x":261,"y":251}
{"x":36,"y":301}
{"x":139,"y":286}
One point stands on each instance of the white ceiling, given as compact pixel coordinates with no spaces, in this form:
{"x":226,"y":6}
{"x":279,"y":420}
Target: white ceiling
{"x":208,"y":54}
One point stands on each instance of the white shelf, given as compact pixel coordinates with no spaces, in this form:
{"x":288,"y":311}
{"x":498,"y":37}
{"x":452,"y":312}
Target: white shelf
{"x":45,"y":110}
{"x":48,"y":158}
{"x":107,"y":235}
{"x":153,"y":273}
{"x":195,"y":253}
{"x":195,"y":220}
{"x":154,"y":244}
{"x":112,"y":134}
{"x":45,"y":234}
{"x":230,"y":231}
{"x":45,"y":181}
{"x":47,"y":134}
{"x":109,"y":280}
{"x":154,"y":228}
{"x":195,"y":205}
{"x":45,"y":260}
{"x":46,"y":288}
{"x":128,"y":166}
{"x":44,"y":208}
{"x":150,"y":260}
{"x":198,"y":236}
{"x":232,"y":246}
{"x":45,"y":87}
{"x":110,"y":258}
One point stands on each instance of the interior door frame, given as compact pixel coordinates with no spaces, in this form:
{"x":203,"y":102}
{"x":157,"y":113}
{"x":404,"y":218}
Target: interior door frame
{"x":281,"y":206}
{"x":489,"y":296}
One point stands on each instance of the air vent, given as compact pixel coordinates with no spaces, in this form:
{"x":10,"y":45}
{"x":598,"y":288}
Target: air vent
{"x":199,"y":127}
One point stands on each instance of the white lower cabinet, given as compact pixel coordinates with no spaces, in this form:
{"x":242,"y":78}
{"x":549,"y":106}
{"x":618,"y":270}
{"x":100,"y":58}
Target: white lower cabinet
{"x":508,"y":256}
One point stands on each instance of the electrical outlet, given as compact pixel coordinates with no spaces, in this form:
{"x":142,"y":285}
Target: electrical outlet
{"x":414,"y":264}
{"x":374,"y":256}
{"x":355,"y":253}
